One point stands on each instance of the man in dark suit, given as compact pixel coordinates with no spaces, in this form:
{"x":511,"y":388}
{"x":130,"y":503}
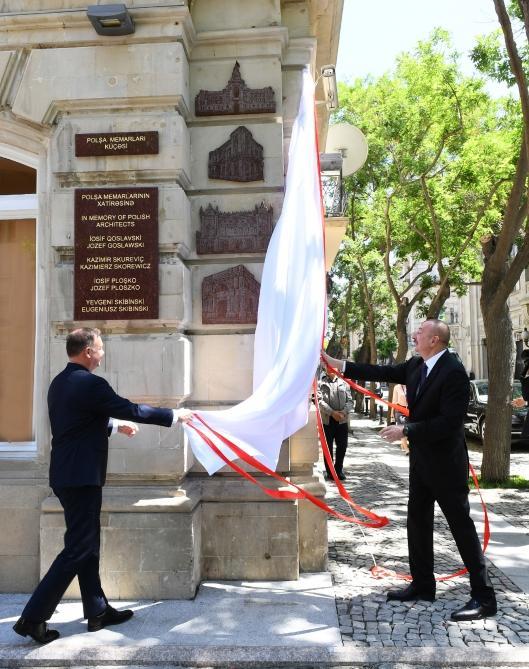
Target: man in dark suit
{"x":438,"y":392}
{"x":83,"y":410}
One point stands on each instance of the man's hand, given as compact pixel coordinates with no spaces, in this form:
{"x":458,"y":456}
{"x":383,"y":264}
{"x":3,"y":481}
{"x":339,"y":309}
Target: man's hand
{"x":333,"y":362}
{"x":518,"y":402}
{"x":392,"y":433}
{"x":338,"y":415}
{"x":128,"y":428}
{"x":184,"y":415}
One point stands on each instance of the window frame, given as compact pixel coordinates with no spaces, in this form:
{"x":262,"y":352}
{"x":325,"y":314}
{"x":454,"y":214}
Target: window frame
{"x":21,"y":207}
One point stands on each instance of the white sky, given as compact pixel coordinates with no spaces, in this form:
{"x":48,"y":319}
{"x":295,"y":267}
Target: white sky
{"x":374,"y":32}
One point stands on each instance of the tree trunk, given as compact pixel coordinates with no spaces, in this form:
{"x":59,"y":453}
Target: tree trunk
{"x":361,"y":355}
{"x":438,"y":301}
{"x":402,"y":332}
{"x":372,"y":354}
{"x":500,"y":357}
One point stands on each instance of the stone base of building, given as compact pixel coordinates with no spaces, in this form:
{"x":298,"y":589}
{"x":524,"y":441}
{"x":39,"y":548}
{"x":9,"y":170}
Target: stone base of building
{"x":159,"y":539}
{"x":160,"y":542}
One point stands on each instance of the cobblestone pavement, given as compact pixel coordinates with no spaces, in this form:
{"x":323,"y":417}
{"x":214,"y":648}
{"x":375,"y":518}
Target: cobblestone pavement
{"x":366,"y":619}
{"x":512,"y":504}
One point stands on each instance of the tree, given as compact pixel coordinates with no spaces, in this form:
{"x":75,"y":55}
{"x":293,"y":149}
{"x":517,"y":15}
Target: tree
{"x":429,"y":188}
{"x":506,"y":246}
{"x":359,"y":299}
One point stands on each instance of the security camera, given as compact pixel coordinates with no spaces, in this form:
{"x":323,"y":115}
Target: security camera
{"x":330,"y":90}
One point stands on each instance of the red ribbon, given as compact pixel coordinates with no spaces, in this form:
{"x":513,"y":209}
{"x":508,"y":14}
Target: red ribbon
{"x":376,"y":521}
{"x":382,"y":572}
{"x":397,"y":407}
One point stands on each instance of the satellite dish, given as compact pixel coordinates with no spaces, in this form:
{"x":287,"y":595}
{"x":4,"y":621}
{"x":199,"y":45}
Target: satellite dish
{"x":351,"y":143}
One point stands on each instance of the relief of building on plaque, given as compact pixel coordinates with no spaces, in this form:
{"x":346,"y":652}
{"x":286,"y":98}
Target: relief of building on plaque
{"x":230,"y":297}
{"x":236,"y":98}
{"x":238,"y":159}
{"x":235,"y":231}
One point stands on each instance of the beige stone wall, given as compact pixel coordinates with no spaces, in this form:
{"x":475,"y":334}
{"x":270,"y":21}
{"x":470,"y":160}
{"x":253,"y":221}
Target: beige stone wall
{"x":20,"y":502}
{"x":256,"y":540}
{"x":150,"y":542}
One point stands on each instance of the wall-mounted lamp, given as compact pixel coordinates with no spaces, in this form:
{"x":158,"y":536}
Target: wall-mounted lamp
{"x":330,"y":89}
{"x":110,"y":20}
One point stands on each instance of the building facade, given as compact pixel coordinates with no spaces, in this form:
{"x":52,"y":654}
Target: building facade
{"x":99,"y":137}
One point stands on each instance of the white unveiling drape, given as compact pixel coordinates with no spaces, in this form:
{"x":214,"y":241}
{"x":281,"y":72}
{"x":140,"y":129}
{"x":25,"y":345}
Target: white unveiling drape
{"x":290,"y":318}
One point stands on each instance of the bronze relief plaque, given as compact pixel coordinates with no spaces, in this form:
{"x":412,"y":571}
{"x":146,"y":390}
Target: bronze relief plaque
{"x":239,"y":159}
{"x":234,"y":231}
{"x":116,"y":253}
{"x":116,"y":144}
{"x":235,"y":98}
{"x":230,"y":297}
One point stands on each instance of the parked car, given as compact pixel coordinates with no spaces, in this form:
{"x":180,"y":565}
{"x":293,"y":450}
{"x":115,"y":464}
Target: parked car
{"x":477,"y":407}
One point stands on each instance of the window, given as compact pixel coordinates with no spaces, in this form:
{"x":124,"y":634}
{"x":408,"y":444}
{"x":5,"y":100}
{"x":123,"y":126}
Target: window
{"x":17,"y":304}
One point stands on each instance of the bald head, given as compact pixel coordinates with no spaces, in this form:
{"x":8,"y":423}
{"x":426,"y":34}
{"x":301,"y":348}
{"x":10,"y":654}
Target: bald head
{"x":441,"y":329}
{"x":431,"y":338}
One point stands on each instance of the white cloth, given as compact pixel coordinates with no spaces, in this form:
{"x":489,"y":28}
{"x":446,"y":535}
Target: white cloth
{"x":290,"y":319}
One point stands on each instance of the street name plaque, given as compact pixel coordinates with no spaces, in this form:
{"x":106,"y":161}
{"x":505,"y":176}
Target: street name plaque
{"x":116,"y":143}
{"x":116,"y":253}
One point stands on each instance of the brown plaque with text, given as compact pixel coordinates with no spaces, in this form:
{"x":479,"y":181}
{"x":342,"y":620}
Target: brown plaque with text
{"x":116,"y":253}
{"x":116,"y":144}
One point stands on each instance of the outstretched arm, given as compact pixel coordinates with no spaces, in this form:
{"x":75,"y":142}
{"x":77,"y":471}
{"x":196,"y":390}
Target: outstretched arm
{"x":333,"y":362}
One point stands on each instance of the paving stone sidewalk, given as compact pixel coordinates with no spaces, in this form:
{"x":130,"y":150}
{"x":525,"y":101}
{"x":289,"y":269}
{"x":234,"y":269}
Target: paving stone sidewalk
{"x":365,"y":619}
{"x":321,"y":621}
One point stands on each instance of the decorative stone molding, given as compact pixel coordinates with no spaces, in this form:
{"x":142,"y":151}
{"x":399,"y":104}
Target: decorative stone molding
{"x":20,"y":141}
{"x":7,"y":65}
{"x":67,"y":79}
{"x":238,"y":159}
{"x":235,"y":231}
{"x":231,"y":297}
{"x":34,"y":24}
{"x":235,"y":98}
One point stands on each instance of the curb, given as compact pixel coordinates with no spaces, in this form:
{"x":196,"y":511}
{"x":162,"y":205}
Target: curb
{"x":250,"y":657}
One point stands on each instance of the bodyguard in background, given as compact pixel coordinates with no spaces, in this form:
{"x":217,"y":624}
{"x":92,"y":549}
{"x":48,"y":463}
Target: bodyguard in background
{"x":83,"y":410}
{"x":334,"y":398}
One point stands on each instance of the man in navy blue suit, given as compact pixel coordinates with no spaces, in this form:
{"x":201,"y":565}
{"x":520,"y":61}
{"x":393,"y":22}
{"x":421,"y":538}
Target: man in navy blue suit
{"x":84,"y":411}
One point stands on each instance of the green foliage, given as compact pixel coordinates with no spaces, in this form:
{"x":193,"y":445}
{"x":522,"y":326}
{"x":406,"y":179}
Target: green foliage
{"x":516,"y":482}
{"x":490,"y":55}
{"x":441,"y":155}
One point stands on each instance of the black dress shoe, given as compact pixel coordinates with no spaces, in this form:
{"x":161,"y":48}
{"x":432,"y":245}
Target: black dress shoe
{"x":39,"y":632}
{"x":475,"y":610}
{"x":109,"y":616}
{"x":327,"y":476}
{"x":410,"y":593}
{"x":341,"y":476}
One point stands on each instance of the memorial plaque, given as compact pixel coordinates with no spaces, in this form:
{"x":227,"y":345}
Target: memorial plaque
{"x":116,"y":253}
{"x":116,"y":144}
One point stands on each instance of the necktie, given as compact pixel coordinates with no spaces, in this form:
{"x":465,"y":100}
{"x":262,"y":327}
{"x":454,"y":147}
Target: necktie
{"x":424,"y":374}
